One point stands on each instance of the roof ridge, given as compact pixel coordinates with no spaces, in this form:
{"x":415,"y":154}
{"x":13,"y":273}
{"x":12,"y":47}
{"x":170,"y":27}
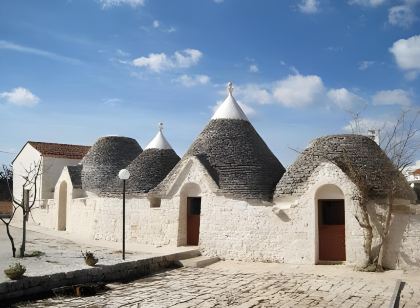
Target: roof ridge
{"x":56,"y":143}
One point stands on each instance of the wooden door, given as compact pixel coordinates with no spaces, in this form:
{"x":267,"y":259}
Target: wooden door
{"x":331,"y":228}
{"x":193,"y":220}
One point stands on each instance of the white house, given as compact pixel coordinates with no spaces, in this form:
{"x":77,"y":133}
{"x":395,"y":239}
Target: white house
{"x":51,"y":159}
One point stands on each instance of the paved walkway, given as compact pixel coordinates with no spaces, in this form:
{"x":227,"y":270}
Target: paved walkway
{"x":63,"y":253}
{"x":255,"y":285}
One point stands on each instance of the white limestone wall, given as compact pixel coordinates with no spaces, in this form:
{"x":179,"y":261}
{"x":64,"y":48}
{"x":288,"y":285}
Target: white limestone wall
{"x":51,"y":171}
{"x":43,"y":214}
{"x":403,"y":246}
{"x":28,"y":157}
{"x":101,"y":218}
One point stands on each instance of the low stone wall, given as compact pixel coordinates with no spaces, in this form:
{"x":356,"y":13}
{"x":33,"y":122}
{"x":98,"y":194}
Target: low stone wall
{"x":129,"y":270}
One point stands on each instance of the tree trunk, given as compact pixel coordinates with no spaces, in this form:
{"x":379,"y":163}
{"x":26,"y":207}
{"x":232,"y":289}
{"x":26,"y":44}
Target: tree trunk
{"x":25,"y":211}
{"x":367,"y":230}
{"x":22,"y":246}
{"x":11,"y":240}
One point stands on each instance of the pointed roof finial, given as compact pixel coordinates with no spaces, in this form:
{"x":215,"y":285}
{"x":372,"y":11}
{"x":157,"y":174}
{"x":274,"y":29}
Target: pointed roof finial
{"x":159,"y":141}
{"x":230,"y":88}
{"x":229,"y":109}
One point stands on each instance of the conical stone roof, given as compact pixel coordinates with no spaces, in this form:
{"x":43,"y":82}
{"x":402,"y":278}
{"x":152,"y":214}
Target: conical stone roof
{"x":358,"y":156}
{"x":235,"y":155}
{"x":152,"y":165}
{"x":103,"y":162}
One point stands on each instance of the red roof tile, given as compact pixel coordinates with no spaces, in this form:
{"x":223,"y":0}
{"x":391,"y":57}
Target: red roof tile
{"x":71,"y":151}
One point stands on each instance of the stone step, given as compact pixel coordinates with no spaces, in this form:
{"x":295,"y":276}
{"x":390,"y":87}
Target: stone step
{"x":201,"y":261}
{"x":184,"y":255}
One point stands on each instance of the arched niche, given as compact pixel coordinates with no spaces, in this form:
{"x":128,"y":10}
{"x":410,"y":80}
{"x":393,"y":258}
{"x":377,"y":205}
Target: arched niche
{"x":189,"y":214}
{"x":330,"y":224}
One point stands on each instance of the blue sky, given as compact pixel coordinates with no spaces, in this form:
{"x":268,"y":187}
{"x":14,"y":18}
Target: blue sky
{"x":72,"y":71}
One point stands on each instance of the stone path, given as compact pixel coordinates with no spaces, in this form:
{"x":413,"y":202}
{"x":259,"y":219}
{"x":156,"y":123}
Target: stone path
{"x":209,"y":287}
{"x":58,"y":254}
{"x":63,"y":254}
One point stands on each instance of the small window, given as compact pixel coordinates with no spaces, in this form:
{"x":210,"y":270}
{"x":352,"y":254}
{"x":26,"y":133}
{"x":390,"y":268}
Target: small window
{"x":155,"y":202}
{"x":194,"y":206}
{"x":331,"y":212}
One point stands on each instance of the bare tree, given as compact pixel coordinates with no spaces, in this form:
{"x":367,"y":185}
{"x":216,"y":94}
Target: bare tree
{"x":6,"y":177}
{"x":26,"y":203}
{"x":400,"y":141}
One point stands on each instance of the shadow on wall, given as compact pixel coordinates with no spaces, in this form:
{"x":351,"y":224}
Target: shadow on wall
{"x":282,"y":215}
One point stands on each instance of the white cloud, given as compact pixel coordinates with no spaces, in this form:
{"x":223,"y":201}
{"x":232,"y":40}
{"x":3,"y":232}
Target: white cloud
{"x":37,"y":52}
{"x":158,"y":62}
{"x":155,"y":62}
{"x":191,"y":81}
{"x":113,"y":3}
{"x":170,"y":30}
{"x":187,"y":57}
{"x":402,"y":16}
{"x":20,"y":97}
{"x":371,"y":3}
{"x":362,"y":125}
{"x":253,"y":68}
{"x":364,"y":65}
{"x":345,"y":99}
{"x":407,"y":53}
{"x":411,"y":75}
{"x":298,"y":90}
{"x":392,"y":97}
{"x":122,"y":53}
{"x":112,"y":102}
{"x":309,"y":6}
{"x":156,"y":24}
{"x":254,"y":93}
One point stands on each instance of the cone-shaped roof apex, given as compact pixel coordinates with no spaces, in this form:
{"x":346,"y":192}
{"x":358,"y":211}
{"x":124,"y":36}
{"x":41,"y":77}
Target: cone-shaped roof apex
{"x":229,"y":109}
{"x":159,"y":141}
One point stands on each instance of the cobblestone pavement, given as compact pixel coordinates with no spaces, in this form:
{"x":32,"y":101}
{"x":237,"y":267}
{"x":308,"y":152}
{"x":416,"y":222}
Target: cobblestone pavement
{"x":206,"y":287}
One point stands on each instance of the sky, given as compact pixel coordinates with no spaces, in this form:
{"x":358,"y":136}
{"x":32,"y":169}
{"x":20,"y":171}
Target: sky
{"x":72,"y":71}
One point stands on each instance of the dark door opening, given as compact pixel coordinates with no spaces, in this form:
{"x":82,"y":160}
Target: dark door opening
{"x":331,"y":230}
{"x":193,"y":220}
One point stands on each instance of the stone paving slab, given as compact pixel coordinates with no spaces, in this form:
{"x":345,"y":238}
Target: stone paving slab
{"x":63,"y":254}
{"x":207,"y":287}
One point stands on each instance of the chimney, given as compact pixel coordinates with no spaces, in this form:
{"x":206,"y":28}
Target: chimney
{"x":374,"y":135}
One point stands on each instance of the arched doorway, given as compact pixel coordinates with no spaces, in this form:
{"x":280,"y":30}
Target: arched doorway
{"x":330,"y":212}
{"x":62,"y":206}
{"x":189,"y":215}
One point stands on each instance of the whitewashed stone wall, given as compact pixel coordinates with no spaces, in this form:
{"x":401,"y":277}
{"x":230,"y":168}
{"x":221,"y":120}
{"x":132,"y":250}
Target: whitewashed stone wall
{"x":101,"y":218}
{"x":285,"y":231}
{"x":403,"y":249}
{"x":27,"y":157}
{"x":52,"y":169}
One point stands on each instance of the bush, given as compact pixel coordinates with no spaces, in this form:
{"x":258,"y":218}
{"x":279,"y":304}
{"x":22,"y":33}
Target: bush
{"x":15,"y":271}
{"x":90,"y":258}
